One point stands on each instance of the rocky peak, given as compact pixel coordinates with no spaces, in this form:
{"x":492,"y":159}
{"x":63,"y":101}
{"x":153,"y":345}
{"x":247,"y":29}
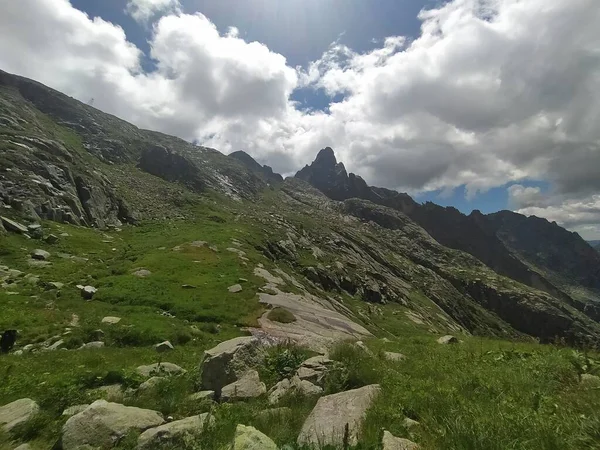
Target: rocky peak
{"x":327,"y":175}
{"x":265,"y":172}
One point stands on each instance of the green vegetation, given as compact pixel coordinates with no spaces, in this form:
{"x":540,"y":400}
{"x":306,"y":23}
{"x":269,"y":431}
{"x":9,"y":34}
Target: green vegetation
{"x":281,"y":315}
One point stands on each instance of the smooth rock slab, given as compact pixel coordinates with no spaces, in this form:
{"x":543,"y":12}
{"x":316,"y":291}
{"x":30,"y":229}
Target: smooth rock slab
{"x":248,"y":386}
{"x":17,"y":412}
{"x":103,"y":424}
{"x":111,"y":320}
{"x":13,"y":226}
{"x":327,"y":422}
{"x":249,"y":438}
{"x":160,"y":369}
{"x":391,"y":442}
{"x":173,"y":432}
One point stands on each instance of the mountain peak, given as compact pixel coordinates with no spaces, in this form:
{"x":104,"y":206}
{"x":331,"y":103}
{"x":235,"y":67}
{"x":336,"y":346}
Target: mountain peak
{"x":326,"y":157}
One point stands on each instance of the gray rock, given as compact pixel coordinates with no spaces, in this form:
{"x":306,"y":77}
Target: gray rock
{"x":391,"y":442}
{"x":112,"y":392}
{"x":151,"y":383}
{"x":228,"y":361}
{"x":248,"y":386}
{"x":102,"y":424}
{"x":58,"y":344}
{"x":249,"y":438}
{"x":171,"y":434}
{"x":364,"y":348}
{"x":202,"y":395}
{"x":327,"y":422}
{"x":40,"y":255}
{"x":51,"y":239}
{"x":409,"y":423}
{"x":111,"y":320}
{"x":162,"y":347}
{"x":293,"y":386}
{"x":11,"y":225}
{"x":590,"y":379}
{"x":17,"y":412}
{"x":56,"y":284}
{"x":38,"y":263}
{"x":391,"y":356}
{"x":87,"y":292}
{"x":314,"y":369}
{"x":235,"y":288}
{"x":142,"y":273}
{"x":23,"y":447}
{"x":75,"y":409}
{"x":448,"y":339}
{"x":93,"y":344}
{"x":160,"y":369}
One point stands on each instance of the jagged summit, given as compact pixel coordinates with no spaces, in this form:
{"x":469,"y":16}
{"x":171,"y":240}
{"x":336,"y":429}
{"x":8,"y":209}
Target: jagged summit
{"x":265,"y":172}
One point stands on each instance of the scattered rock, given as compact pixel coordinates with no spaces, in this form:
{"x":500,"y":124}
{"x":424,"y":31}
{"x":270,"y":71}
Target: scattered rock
{"x":391,"y":442}
{"x":56,"y":285}
{"x":391,"y":356}
{"x":142,"y":273}
{"x":202,"y":395}
{"x":102,"y":424}
{"x":160,"y":369}
{"x":52,"y":239}
{"x":164,"y":347}
{"x":93,"y":344}
{"x":364,"y":348}
{"x":17,"y":412}
{"x":87,"y":292}
{"x":248,"y":386}
{"x":40,"y":255}
{"x":72,"y":410}
{"x":590,"y":379}
{"x":38,"y":263}
{"x":187,"y":286}
{"x":58,"y":344}
{"x":151,"y":383}
{"x":249,"y":438}
{"x":235,"y":288}
{"x":173,"y":433}
{"x":228,"y":361}
{"x":112,"y":392}
{"x":409,"y":423}
{"x":296,"y":386}
{"x":314,"y":369}
{"x":11,"y":225}
{"x":333,"y":414}
{"x":448,"y":339}
{"x":111,"y":320}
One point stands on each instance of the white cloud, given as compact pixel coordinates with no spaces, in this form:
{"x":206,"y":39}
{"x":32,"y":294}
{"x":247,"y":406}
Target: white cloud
{"x":491,"y":92}
{"x":144,"y":10}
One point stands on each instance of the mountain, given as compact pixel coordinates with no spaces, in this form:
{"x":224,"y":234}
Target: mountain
{"x":136,"y":253}
{"x":529,"y":250}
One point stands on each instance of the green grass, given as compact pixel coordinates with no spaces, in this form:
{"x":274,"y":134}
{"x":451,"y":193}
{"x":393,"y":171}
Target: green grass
{"x":281,"y":315}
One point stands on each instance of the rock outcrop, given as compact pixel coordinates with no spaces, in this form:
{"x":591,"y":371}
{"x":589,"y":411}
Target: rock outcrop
{"x":17,"y":413}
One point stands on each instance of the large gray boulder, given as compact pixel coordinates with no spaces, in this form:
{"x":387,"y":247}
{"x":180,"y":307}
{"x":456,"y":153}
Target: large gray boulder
{"x":103,"y":424}
{"x":169,"y":434}
{"x":391,"y":442}
{"x":228,"y":361}
{"x":248,"y":386}
{"x":333,"y":414}
{"x":249,"y":438}
{"x":17,"y":412}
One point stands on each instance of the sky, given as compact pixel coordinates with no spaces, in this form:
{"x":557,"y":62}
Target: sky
{"x":477,"y":104}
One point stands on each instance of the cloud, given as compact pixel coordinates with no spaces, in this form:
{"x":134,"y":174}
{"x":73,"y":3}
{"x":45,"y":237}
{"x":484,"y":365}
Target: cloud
{"x":144,"y":10}
{"x":491,"y":92}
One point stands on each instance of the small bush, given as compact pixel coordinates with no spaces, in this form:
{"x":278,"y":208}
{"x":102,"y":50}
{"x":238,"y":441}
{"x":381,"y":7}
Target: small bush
{"x":282,"y":361}
{"x":281,"y":315}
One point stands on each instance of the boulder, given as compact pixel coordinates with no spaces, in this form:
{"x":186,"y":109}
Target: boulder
{"x":391,"y":442}
{"x":17,"y":412}
{"x":162,"y":347}
{"x":248,"y":386}
{"x":87,"y":292}
{"x":589,"y":379}
{"x":11,"y":225}
{"x":336,"y":413}
{"x":111,"y":320}
{"x":75,"y":409}
{"x":58,"y":344}
{"x":142,"y":273}
{"x":314,"y":369}
{"x":249,"y":438}
{"x":235,"y":288}
{"x":202,"y":395}
{"x":409,"y":423}
{"x":51,"y":239}
{"x":228,"y":361}
{"x":170,"y":434}
{"x":293,"y":386}
{"x":448,"y":339}
{"x":40,"y":255}
{"x":151,"y":383}
{"x":160,"y":369}
{"x":391,"y":356}
{"x":94,"y":344}
{"x":103,"y":424}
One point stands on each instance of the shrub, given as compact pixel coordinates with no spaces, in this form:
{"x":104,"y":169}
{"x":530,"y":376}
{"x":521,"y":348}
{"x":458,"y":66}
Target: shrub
{"x":281,"y":315}
{"x":282,"y":361}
